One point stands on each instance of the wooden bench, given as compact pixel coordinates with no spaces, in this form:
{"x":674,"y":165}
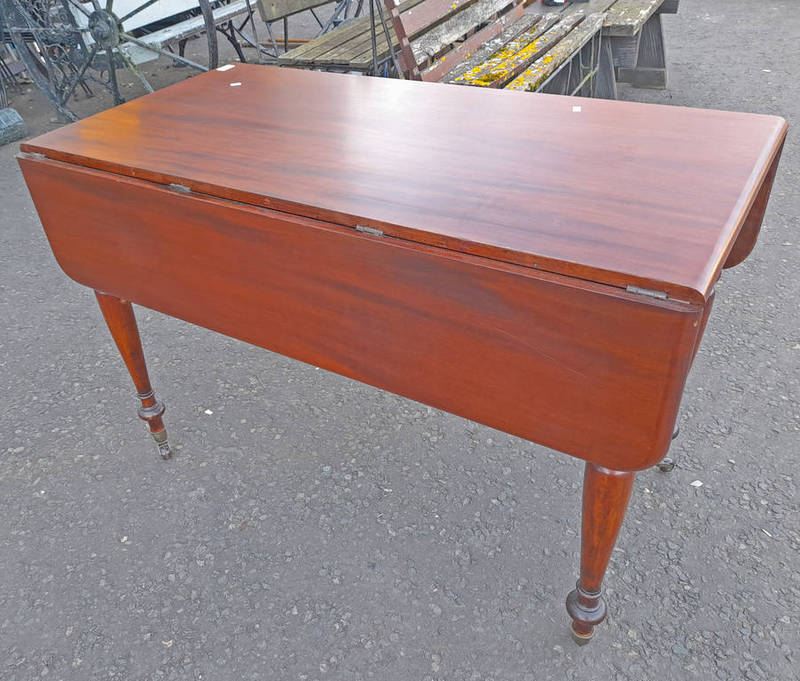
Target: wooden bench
{"x":280,"y":10}
{"x":483,"y":43}
{"x":634,"y":30}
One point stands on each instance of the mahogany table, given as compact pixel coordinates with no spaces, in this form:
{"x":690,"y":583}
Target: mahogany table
{"x":540,"y":264}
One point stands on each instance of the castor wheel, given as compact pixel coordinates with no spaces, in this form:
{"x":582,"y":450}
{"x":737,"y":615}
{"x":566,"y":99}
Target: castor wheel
{"x":580,"y":639}
{"x":666,"y":465}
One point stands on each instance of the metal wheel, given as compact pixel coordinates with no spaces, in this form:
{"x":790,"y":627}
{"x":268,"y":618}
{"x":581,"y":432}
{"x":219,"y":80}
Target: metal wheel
{"x":50,"y":45}
{"x":72,"y":45}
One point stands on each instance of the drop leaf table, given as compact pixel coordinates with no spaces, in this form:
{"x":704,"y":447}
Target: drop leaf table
{"x":540,"y":264}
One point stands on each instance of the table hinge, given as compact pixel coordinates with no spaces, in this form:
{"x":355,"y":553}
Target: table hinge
{"x":369,"y":230}
{"x":661,"y":295}
{"x":33,"y":154}
{"x":182,"y":188}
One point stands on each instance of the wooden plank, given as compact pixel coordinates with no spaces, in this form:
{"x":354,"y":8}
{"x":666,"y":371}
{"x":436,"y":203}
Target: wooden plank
{"x":493,"y":161}
{"x":430,"y":13}
{"x":194,"y":25}
{"x":533,"y":77}
{"x":445,"y":63}
{"x":491,"y":47}
{"x":326,"y":42}
{"x":591,"y":7}
{"x":353,"y":51}
{"x":313,"y":49}
{"x":358,"y":53}
{"x":350,"y":51}
{"x":444,"y":34}
{"x":625,"y":18}
{"x":272,"y":10}
{"x":462,"y":334}
{"x":515,"y":57}
{"x":353,"y":30}
{"x":431,"y":43}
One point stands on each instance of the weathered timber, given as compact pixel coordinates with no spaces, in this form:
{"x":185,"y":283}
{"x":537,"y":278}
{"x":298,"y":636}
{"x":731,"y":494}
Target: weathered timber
{"x":353,"y":33}
{"x":536,"y":74}
{"x":518,"y":55}
{"x":271,"y":10}
{"x":430,"y":13}
{"x":491,"y":47}
{"x":650,"y":70}
{"x":431,"y":43}
{"x":441,"y":66}
{"x":625,"y":18}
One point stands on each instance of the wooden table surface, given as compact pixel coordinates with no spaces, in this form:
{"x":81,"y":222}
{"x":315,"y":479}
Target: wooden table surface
{"x":614,"y":192}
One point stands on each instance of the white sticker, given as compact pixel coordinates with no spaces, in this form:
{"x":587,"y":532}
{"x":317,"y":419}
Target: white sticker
{"x":576,"y":109}
{"x":227,"y":67}
{"x":237,"y":84}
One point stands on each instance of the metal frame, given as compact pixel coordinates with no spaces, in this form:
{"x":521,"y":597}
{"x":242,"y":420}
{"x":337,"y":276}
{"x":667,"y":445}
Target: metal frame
{"x":71,"y":44}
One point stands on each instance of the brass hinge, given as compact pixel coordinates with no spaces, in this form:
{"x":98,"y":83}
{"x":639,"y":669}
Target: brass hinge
{"x":182,"y":188}
{"x":661,"y":295}
{"x":32,"y":154}
{"x":369,"y":230}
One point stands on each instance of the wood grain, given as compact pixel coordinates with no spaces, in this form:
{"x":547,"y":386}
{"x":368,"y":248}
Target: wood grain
{"x":125,"y":332}
{"x":621,"y":193}
{"x":625,"y":18}
{"x":748,"y":235}
{"x":605,"y":500}
{"x":542,"y":356}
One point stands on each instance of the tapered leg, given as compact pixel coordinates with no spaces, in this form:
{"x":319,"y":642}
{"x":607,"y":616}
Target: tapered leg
{"x":605,"y":498}
{"x":122,"y":324}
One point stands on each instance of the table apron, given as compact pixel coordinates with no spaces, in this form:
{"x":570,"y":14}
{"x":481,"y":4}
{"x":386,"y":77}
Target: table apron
{"x":587,"y":369}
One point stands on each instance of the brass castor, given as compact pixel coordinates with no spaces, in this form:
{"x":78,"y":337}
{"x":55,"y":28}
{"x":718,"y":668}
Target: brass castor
{"x":161,"y":442}
{"x":666,"y":465}
{"x":581,"y":639}
{"x":587,"y":609}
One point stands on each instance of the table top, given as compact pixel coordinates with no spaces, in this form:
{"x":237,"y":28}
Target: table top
{"x":619,"y":193}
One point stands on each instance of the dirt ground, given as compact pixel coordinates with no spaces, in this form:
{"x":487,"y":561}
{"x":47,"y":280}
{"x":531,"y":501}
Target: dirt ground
{"x":312,"y":528}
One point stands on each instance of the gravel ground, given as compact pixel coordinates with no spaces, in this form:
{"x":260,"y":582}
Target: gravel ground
{"x":311,"y":528}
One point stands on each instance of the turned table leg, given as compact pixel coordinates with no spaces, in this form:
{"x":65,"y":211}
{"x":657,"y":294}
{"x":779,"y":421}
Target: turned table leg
{"x":122,"y":324}
{"x":605,"y":498}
